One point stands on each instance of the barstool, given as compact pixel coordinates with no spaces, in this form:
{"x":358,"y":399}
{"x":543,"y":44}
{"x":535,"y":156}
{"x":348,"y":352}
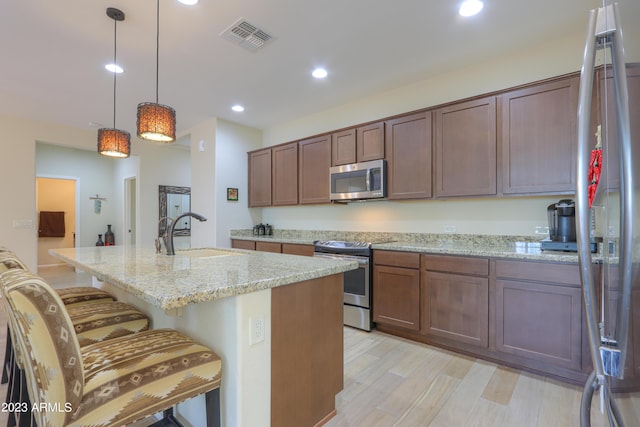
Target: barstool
{"x":110,"y":383}
{"x":95,"y":315}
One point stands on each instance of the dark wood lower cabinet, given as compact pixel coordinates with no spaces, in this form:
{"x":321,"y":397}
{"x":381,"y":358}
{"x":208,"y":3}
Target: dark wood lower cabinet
{"x":396,"y":296}
{"x":540,"y":321}
{"x":456,"y":307}
{"x":519,"y":313}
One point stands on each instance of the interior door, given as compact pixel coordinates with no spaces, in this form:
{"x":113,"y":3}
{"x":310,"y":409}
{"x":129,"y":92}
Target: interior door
{"x":130,"y":211}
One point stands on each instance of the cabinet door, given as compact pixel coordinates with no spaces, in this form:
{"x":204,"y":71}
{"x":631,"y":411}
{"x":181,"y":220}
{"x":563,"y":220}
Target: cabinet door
{"x":396,"y":297}
{"x":539,"y":321}
{"x":260,"y":178}
{"x":538,"y":138}
{"x":370,"y":142}
{"x":456,"y":307}
{"x":285,"y":175}
{"x":343,"y":147}
{"x":465,"y":149}
{"x":314,"y":161}
{"x":408,"y":151}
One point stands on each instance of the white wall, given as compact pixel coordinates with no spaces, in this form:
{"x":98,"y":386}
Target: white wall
{"x":156,"y":165}
{"x":232,"y":143}
{"x":219,"y":161}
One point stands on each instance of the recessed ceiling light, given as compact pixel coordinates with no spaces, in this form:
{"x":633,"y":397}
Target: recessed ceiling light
{"x":470,"y":7}
{"x":114,"y":68}
{"x":188,"y":2}
{"x":319,"y":73}
{"x":238,"y":108}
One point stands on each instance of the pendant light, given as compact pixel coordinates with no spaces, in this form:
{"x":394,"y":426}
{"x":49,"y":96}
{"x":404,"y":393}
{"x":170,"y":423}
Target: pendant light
{"x":113,"y":142}
{"x":156,"y":122}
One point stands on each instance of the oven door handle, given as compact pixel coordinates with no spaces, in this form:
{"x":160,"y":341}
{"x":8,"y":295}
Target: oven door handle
{"x":361,"y":260}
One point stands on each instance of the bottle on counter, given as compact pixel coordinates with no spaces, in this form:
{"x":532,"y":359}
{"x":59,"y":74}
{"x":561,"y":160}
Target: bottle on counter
{"x":99,"y":242}
{"x":109,"y":237}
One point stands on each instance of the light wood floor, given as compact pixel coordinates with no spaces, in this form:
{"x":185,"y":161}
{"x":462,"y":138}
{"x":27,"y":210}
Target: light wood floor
{"x":390,"y":381}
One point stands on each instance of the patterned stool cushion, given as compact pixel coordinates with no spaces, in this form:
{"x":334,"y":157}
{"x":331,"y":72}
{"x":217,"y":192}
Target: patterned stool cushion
{"x":95,"y":322}
{"x":83,"y":294}
{"x":111,"y":383}
{"x":129,"y":378}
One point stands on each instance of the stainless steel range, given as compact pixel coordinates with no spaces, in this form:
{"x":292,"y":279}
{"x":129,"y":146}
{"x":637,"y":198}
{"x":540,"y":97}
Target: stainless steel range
{"x":357,"y":283}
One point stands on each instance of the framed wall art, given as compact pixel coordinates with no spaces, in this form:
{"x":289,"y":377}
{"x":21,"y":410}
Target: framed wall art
{"x":232,"y":194}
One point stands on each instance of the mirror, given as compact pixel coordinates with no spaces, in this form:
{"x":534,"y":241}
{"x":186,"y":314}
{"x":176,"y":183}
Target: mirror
{"x":173,"y":202}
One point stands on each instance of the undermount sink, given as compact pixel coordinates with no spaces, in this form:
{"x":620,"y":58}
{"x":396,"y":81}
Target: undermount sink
{"x":205,"y":253}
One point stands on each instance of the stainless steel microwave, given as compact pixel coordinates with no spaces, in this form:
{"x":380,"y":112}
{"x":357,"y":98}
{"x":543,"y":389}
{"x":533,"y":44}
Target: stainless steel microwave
{"x":358,"y":181}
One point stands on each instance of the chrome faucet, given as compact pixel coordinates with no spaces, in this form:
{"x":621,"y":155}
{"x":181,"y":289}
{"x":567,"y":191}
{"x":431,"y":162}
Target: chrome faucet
{"x":162,"y":238}
{"x":169,"y":244}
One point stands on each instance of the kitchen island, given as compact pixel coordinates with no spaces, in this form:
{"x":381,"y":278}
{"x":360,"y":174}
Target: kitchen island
{"x":275,"y":320}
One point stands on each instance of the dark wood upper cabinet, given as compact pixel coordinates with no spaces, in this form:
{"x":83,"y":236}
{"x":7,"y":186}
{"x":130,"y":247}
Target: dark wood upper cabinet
{"x":408,"y":153}
{"x":314,"y":160}
{"x":538,"y":136}
{"x":360,"y":144}
{"x":370,"y":142}
{"x":465,"y":149}
{"x":260,"y":178}
{"x":343,"y":147}
{"x":285,"y":174}
{"x":605,"y":104}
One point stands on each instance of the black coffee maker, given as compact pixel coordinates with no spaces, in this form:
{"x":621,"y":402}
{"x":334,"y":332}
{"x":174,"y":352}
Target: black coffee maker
{"x":562,"y":226}
{"x":562,"y":221}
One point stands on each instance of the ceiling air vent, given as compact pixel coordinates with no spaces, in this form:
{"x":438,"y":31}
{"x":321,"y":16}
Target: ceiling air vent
{"x":246,"y":35}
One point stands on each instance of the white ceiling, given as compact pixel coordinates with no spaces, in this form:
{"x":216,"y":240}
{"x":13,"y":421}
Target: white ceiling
{"x":53,"y":53}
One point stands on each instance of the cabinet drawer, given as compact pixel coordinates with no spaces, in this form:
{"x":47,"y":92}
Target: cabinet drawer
{"x":269,"y":247}
{"x":297,"y":249}
{"x":397,"y":259}
{"x":243,"y":244}
{"x":561,"y":274}
{"x":456,"y":264}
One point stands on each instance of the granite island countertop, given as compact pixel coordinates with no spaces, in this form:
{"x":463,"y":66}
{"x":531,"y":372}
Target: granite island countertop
{"x":196,"y":275}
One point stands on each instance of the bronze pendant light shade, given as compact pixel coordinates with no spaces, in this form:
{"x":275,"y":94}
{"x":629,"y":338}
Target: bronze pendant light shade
{"x":114,"y":142}
{"x":156,"y":122}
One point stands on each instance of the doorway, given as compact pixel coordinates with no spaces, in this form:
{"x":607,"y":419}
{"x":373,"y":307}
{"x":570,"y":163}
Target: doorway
{"x":130,"y":212}
{"x":56,"y":195}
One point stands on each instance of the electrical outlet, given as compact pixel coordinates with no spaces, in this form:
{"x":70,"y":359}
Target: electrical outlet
{"x":450,"y":228}
{"x":541,"y":230}
{"x":256,"y":329}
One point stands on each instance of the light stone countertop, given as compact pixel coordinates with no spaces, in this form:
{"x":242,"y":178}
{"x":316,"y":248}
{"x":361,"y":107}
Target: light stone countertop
{"x":198,"y":275}
{"x":516,"y":247}
{"x":518,"y":250}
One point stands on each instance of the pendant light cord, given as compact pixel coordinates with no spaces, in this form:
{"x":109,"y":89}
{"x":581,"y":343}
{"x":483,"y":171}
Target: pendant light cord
{"x":115,"y":63}
{"x":157,"y":46}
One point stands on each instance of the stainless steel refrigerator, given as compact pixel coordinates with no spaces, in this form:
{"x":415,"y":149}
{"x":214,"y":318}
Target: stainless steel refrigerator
{"x":608,"y":211}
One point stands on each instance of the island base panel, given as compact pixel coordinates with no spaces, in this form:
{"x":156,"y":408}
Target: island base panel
{"x":307,"y":359}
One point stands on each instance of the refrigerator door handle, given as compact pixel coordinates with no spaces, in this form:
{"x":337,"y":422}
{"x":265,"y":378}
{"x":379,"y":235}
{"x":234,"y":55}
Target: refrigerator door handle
{"x":582,"y":204}
{"x":627,"y":186}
